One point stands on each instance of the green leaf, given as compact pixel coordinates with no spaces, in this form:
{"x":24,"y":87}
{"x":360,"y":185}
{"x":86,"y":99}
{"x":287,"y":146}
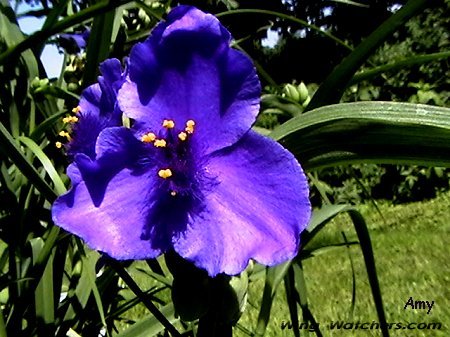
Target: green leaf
{"x":98,"y":45}
{"x":150,"y":326}
{"x":70,"y":21}
{"x":334,"y":85}
{"x":274,"y":276}
{"x":11,"y":34}
{"x":44,"y":293}
{"x":319,"y":219}
{"x":400,"y":64}
{"x":288,"y":18}
{"x":123,"y":274}
{"x":2,"y":325}
{"x":46,"y":163}
{"x":372,"y":132}
{"x":51,"y":19}
{"x":366,"y":247}
{"x":9,"y":147}
{"x":302,"y":296}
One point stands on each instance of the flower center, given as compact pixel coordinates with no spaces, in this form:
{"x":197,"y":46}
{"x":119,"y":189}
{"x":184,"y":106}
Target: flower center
{"x":174,"y":154}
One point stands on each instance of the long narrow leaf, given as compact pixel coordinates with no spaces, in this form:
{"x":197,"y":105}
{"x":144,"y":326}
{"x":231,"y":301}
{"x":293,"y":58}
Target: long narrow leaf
{"x":150,"y":326}
{"x":373,"y":132}
{"x":9,"y":147}
{"x":98,"y":45}
{"x":274,"y":276}
{"x":44,"y":294}
{"x":46,"y":163}
{"x":289,"y":18}
{"x":334,"y":85}
{"x":400,"y":64}
{"x":63,"y":24}
{"x":123,"y":274}
{"x":366,"y":247}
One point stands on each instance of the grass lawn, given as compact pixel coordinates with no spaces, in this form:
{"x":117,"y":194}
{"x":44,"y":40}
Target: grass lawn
{"x":412,"y":256}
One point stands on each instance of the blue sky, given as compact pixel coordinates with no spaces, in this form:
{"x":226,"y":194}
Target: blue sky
{"x":51,"y":58}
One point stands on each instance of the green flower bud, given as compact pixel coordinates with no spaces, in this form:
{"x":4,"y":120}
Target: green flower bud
{"x":35,"y":83}
{"x":72,"y":87}
{"x":303,"y":92}
{"x":291,"y":92}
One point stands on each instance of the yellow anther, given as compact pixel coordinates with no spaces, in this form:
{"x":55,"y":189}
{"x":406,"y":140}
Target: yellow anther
{"x":168,"y":123}
{"x":173,"y":193}
{"x":148,"y":137}
{"x":167,"y":173}
{"x":70,"y":119}
{"x":189,"y":126}
{"x":182,"y":136}
{"x":65,"y":134}
{"x":160,"y":143}
{"x":58,"y":145}
{"x":76,"y":110}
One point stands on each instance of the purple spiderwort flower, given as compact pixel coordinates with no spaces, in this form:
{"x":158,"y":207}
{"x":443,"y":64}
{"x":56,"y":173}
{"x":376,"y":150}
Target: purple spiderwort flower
{"x":97,"y":110}
{"x":189,"y":175}
{"x":73,"y":43}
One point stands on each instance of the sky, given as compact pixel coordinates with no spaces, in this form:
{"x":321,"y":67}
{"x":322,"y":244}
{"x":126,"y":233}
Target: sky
{"x":51,"y":58}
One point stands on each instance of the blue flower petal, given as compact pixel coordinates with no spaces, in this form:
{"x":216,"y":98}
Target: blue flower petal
{"x":98,"y":109}
{"x":188,"y":71}
{"x":110,"y":200}
{"x":257,"y":210}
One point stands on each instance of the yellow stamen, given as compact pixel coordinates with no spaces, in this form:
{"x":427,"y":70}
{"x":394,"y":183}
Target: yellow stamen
{"x":58,"y":145}
{"x":76,"y":110}
{"x":160,"y":143}
{"x":182,"y":136}
{"x":148,"y":137}
{"x":173,"y":193}
{"x":167,"y":173}
{"x":65,"y":134}
{"x":70,"y":119}
{"x":189,"y":126}
{"x":168,"y":123}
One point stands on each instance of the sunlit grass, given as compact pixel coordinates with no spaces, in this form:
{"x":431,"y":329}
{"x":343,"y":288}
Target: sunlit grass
{"x":411,"y":252}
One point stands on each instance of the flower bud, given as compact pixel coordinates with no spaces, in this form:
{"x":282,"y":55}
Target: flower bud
{"x":291,"y":92}
{"x":303,"y":92}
